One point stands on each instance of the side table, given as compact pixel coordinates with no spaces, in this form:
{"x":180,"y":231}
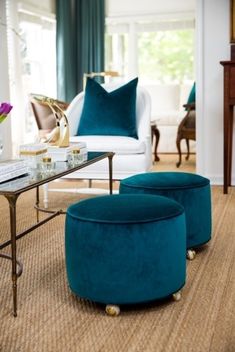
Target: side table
{"x":229,"y":103}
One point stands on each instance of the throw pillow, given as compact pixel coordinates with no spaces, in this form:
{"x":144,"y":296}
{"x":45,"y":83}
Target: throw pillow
{"x":109,"y":113}
{"x":192,"y":95}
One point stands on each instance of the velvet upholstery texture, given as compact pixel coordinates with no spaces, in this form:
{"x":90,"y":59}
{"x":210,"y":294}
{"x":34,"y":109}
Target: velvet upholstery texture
{"x":109,"y":113}
{"x":123,"y":249}
{"x":192,"y":95}
{"x":190,"y":190}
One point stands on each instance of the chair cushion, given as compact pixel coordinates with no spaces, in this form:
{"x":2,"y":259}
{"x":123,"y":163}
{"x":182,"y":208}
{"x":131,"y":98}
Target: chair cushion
{"x":192,"y":95}
{"x":109,"y":113}
{"x":166,"y":181}
{"x":116,"y":144}
{"x":125,"y":209}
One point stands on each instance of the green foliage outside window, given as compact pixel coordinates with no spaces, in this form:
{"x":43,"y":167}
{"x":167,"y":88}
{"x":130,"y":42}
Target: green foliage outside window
{"x":166,"y":56}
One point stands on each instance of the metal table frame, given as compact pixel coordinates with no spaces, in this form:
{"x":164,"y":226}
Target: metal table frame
{"x":12,"y":197}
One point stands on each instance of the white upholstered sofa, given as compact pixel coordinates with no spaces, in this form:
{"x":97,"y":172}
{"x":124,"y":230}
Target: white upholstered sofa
{"x":167,"y":111}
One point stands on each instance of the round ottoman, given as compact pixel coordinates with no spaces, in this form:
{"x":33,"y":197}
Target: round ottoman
{"x":125,"y":249}
{"x":190,"y":190}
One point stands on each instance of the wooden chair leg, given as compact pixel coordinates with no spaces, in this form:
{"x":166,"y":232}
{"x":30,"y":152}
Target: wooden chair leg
{"x":178,"y":140}
{"x":155,"y":134}
{"x":188,"y":149}
{"x":157,"y":138}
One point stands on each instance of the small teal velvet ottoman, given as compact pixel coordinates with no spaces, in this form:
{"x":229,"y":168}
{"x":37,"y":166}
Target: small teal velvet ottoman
{"x":125,"y":249}
{"x":190,"y":190}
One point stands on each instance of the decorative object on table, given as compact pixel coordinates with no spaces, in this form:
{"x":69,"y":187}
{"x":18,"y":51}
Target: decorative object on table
{"x":10,"y":169}
{"x":5,"y":108}
{"x":59,"y":136}
{"x":76,"y":157}
{"x":64,"y":154}
{"x":47,"y":166}
{"x":32,"y":153}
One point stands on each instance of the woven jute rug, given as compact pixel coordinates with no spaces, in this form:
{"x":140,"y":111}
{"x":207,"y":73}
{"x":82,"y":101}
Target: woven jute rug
{"x":52,"y":319}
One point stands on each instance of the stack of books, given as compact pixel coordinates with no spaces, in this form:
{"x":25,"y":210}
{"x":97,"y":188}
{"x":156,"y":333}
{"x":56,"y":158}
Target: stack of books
{"x":64,"y":153}
{"x":10,"y":169}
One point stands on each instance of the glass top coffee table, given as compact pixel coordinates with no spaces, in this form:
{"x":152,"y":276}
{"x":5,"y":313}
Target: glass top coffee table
{"x":12,"y":189}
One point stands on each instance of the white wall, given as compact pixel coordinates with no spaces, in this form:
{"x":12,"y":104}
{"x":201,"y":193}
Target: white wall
{"x":141,"y":7}
{"x":212,"y":21}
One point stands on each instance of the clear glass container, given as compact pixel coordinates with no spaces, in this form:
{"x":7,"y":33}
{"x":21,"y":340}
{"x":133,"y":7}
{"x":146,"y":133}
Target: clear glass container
{"x":75,"y":158}
{"x":47,"y":166}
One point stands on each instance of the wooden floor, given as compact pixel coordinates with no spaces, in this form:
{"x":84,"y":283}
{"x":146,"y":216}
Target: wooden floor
{"x":168,"y":163}
{"x":52,"y":319}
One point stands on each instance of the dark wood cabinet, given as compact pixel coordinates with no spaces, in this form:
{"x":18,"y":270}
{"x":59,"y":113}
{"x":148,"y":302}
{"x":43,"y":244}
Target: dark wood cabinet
{"x":229,"y":102}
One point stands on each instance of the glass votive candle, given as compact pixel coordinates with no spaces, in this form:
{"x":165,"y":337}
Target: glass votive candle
{"x":75,"y":158}
{"x":47,"y":166}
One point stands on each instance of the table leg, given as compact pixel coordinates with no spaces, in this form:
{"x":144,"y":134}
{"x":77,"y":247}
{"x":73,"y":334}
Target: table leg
{"x":228,"y":123}
{"x":230,"y":144}
{"x":110,"y":174}
{"x":37,"y":203}
{"x":12,"y":206}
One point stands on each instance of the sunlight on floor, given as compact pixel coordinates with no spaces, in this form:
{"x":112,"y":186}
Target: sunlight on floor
{"x":168,"y":163}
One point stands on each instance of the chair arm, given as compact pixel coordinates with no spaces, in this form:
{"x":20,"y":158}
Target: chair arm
{"x":190,"y":106}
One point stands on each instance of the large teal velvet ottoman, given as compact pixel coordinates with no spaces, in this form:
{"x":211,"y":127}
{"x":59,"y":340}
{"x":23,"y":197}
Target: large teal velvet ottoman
{"x":192,"y":191}
{"x":125,"y":249}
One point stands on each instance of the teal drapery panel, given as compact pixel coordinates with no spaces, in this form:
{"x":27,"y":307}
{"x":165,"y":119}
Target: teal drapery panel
{"x":80,"y":43}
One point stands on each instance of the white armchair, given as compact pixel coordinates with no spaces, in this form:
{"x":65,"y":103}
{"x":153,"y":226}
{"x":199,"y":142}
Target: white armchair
{"x":131,"y":155}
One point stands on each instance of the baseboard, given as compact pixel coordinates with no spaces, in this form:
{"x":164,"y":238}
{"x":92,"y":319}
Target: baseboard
{"x":218,"y":180}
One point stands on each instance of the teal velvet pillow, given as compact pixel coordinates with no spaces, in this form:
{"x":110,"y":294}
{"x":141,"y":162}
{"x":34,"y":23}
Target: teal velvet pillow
{"x":109,"y":113}
{"x":192,"y":95}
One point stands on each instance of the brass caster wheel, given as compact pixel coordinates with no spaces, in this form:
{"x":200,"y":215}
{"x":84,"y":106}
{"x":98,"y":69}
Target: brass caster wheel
{"x":191,"y":254}
{"x":177,"y":296}
{"x":112,"y":310}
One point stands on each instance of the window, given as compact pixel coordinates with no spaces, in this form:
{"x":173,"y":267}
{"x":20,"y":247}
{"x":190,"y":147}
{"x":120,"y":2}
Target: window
{"x":38,"y":65}
{"x":116,"y":57}
{"x":166,"y":57}
{"x":32,"y":65}
{"x":159,"y":52}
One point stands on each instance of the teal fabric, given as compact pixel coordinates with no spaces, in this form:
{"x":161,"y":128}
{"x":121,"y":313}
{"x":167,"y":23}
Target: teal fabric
{"x":190,"y":190}
{"x":66,"y":51}
{"x":80,"y":43}
{"x":138,"y":259}
{"x":120,"y":209}
{"x":109,"y":113}
{"x":166,"y":180}
{"x":192,"y":95}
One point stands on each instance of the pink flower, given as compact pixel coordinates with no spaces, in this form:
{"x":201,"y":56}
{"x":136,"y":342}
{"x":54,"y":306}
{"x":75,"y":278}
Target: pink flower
{"x":5,"y":108}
